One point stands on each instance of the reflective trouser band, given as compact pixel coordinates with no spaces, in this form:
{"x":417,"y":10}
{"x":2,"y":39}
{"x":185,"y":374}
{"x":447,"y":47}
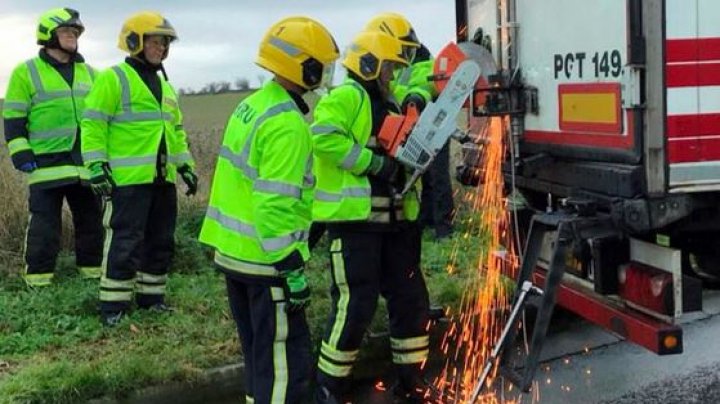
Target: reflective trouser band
{"x":149,"y":284}
{"x":18,"y":144}
{"x":333,"y":369}
{"x":421,"y":342}
{"x":335,"y":362}
{"x":36,"y":280}
{"x":90,"y":272}
{"x":409,"y":358}
{"x":113,"y":290}
{"x":249,"y":400}
{"x":341,"y":309}
{"x":56,"y":173}
{"x":280,"y":360}
{"x":411,"y":350}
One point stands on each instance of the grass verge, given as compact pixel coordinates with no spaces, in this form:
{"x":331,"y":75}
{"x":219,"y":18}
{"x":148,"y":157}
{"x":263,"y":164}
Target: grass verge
{"x":53,"y":348}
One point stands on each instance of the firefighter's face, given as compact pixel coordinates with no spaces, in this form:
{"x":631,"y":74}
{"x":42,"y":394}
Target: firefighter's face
{"x":387,"y":73}
{"x":156,"y":48}
{"x":68,"y":38}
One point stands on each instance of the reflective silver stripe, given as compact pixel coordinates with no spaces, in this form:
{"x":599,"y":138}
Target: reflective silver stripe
{"x":246,"y":229}
{"x":405,"y":76}
{"x":179,"y":159}
{"x":325,"y":129}
{"x":285,"y":46}
{"x":244,"y":266}
{"x":240,"y":161}
{"x":278,"y":243}
{"x":132,"y":161}
{"x":81,"y":92}
{"x":127,"y":115}
{"x":309,"y":178}
{"x":52,"y":95}
{"x":346,"y":192}
{"x":231,"y":223}
{"x":278,"y":188}
{"x":94,"y":155}
{"x":42,"y":95}
{"x":53,"y":133}
{"x":35,"y":77}
{"x":349,"y":162}
{"x":143,"y":116}
{"x":96,"y":115}
{"x":16,"y":106}
{"x":372,"y":142}
{"x":91,"y":71}
{"x":124,"y":88}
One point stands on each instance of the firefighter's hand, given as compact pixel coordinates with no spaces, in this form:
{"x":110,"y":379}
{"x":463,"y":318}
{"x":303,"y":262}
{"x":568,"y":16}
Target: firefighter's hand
{"x":190,"y":179}
{"x":384,"y":167}
{"x":297,"y":291}
{"x":101,"y":182}
{"x":24,"y":161}
{"x":413,"y":99}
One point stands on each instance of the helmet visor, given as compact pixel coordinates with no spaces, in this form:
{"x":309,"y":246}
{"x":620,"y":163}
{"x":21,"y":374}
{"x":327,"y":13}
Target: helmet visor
{"x":327,"y":74}
{"x":408,"y":53}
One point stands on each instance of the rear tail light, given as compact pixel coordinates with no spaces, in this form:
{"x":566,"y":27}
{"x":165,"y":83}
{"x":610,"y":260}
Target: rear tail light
{"x":647,"y":287}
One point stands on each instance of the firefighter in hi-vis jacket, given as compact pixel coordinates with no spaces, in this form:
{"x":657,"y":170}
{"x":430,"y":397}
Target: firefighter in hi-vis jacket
{"x":43,"y":107}
{"x":134,"y":145}
{"x":374,"y":237}
{"x":258,"y":217}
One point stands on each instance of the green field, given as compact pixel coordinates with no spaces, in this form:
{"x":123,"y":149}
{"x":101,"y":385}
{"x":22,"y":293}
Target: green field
{"x":52,"y":347}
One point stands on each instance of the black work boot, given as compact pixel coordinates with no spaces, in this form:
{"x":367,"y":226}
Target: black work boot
{"x":158,"y":308}
{"x":111,"y":318}
{"x":324,"y":396}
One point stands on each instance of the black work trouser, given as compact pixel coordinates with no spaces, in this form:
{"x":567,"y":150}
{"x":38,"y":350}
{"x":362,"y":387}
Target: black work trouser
{"x":364,"y":266}
{"x":276,"y":344}
{"x":436,"y":200}
{"x":139,"y":223}
{"x":42,"y":243}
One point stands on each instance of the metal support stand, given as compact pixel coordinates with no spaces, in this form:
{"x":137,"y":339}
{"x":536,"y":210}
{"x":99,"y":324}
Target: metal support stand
{"x":527,"y":287}
{"x":512,"y":366}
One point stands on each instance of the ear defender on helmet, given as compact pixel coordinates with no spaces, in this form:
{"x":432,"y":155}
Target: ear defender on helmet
{"x":138,"y":25}
{"x":368,"y":52}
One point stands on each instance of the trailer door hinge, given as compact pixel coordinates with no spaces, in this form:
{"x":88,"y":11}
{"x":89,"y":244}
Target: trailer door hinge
{"x":630,"y":84}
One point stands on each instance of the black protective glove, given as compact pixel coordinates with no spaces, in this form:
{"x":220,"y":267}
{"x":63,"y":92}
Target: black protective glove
{"x":297,"y":291}
{"x":101,"y":181}
{"x":384,"y":167}
{"x":24,"y":161}
{"x":413,"y":98}
{"x":191,"y":180}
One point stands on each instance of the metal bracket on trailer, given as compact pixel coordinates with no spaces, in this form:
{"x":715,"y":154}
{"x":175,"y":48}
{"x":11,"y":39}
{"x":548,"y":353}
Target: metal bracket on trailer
{"x":636,"y":327}
{"x":540,"y":224}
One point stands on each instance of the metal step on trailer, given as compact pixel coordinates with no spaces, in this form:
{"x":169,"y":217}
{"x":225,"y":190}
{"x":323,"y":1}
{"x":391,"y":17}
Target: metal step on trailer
{"x":519,"y":367}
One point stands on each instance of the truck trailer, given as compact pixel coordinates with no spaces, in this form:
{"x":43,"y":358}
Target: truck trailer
{"x":613,"y":111}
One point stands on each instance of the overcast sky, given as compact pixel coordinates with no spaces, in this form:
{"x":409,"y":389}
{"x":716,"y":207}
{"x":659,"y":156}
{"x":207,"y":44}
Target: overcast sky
{"x":218,"y":38}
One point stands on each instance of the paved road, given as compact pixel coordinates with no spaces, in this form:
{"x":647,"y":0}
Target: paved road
{"x":584,"y":364}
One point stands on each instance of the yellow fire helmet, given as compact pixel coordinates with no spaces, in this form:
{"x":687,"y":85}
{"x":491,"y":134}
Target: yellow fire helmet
{"x":368,"y":52}
{"x":57,"y":17}
{"x":399,"y":27}
{"x":301,"y":50}
{"x":141,"y":24}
